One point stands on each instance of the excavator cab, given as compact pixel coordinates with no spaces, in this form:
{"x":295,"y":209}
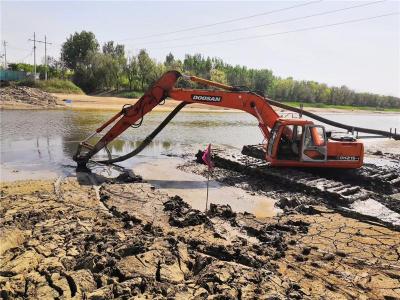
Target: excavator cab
{"x":301,"y":143}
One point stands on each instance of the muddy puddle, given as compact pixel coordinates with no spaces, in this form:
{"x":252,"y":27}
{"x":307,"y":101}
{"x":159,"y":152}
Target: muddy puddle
{"x":164,"y":174}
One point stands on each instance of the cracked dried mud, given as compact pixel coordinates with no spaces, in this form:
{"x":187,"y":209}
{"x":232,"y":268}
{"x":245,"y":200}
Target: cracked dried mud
{"x":70,"y":239}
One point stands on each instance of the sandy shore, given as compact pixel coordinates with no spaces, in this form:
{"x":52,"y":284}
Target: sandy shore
{"x":87,"y":102}
{"x":115,"y":103}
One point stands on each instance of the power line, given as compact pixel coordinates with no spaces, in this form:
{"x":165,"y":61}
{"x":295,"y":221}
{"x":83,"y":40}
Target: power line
{"x":267,"y":24}
{"x":223,"y":22}
{"x":25,"y":57}
{"x":282,"y":32}
{"x":19,"y":49}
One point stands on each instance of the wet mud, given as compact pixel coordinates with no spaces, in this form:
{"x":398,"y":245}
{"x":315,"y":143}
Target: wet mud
{"x":90,"y":238}
{"x":343,"y":195}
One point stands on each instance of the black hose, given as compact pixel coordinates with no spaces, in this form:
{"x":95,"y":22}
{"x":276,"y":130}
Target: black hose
{"x":148,"y":139}
{"x":172,"y":114}
{"x":333,"y":123}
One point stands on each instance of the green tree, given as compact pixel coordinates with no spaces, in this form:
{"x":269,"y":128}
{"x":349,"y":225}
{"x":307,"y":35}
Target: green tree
{"x":96,"y":73}
{"x":146,"y":68}
{"x":77,"y":47}
{"x":169,"y":59}
{"x":117,"y":51}
{"x":20,"y":67}
{"x":159,"y":70}
{"x":171,"y":63}
{"x":131,"y":70}
{"x":218,"y":76}
{"x":116,"y":61}
{"x":262,"y":81}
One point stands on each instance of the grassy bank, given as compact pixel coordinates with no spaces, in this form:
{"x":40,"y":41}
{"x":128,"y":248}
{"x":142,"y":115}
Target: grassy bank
{"x":53,"y":86}
{"x":138,"y":94}
{"x":343,"y":107}
{"x":120,"y":94}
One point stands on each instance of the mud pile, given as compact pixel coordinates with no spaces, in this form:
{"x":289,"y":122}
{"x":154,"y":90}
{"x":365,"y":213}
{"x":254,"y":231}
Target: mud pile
{"x":26,"y":96}
{"x":128,"y":240}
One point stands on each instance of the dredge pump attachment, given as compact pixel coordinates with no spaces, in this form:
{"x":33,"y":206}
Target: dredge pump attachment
{"x":288,"y":142}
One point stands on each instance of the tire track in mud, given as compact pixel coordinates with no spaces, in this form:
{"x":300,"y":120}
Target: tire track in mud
{"x":345,"y":197}
{"x":380,"y":179}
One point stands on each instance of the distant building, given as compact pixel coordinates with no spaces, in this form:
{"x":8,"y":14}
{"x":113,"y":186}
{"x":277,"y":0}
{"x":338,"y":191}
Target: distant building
{"x":7,"y":75}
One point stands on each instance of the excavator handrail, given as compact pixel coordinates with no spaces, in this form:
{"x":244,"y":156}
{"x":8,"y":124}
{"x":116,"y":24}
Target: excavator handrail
{"x":333,"y":123}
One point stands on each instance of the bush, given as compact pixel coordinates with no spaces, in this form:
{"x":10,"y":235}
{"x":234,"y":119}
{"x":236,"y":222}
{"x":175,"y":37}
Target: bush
{"x":53,"y":86}
{"x":26,"y":82}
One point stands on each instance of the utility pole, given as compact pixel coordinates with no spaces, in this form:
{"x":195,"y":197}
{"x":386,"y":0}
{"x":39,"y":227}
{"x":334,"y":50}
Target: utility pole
{"x":45,"y":56}
{"x":5,"y":54}
{"x":45,"y":53}
{"x":34,"y":55}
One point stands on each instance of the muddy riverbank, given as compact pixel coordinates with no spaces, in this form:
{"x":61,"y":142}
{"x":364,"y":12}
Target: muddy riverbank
{"x":72,"y":239}
{"x":84,"y":237}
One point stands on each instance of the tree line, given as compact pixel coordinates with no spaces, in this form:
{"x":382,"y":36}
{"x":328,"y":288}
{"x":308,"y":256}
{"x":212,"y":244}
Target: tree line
{"x":97,"y":68}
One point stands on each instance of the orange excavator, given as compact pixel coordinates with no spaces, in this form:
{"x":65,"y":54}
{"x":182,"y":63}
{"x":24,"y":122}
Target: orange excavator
{"x":288,"y":142}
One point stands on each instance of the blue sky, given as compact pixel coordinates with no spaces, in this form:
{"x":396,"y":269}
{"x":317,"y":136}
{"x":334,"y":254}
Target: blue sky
{"x":364,"y":56}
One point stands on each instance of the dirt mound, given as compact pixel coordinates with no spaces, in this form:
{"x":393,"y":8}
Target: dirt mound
{"x":23,"y":95}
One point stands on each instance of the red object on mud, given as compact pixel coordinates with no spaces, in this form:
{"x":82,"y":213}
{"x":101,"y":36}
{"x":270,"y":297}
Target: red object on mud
{"x":207,"y":158}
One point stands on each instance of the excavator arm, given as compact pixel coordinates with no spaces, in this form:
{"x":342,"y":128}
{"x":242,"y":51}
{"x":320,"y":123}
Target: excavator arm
{"x":229,"y":97}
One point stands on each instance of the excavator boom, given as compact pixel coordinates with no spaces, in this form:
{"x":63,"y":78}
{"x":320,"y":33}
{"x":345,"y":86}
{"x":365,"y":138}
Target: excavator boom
{"x":291,"y":142}
{"x":163,"y":88}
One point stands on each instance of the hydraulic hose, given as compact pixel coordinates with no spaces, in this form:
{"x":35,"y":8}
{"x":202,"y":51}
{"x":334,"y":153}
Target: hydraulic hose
{"x":333,"y":123}
{"x":148,"y":139}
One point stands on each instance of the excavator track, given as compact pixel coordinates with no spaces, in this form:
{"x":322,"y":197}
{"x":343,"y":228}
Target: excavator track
{"x":336,"y":193}
{"x":380,"y":179}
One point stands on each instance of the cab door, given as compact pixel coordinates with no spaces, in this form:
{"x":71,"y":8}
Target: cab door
{"x":314,"y":145}
{"x":273,"y":138}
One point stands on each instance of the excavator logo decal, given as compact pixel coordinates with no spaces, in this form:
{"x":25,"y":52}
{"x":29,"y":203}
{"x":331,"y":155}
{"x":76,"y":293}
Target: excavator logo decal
{"x":206,"y":98}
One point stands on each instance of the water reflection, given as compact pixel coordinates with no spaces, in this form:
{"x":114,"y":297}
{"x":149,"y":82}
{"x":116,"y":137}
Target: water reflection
{"x":48,"y":139}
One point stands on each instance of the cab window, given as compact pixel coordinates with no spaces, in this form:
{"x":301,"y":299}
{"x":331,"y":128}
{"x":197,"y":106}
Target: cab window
{"x":315,"y":137}
{"x":290,"y":143}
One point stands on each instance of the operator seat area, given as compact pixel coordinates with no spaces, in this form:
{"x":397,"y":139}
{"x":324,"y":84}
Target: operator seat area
{"x":290,"y":143}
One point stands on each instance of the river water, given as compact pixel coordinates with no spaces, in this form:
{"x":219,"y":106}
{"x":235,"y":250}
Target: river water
{"x":40,"y":145}
{"x":47,"y":139}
